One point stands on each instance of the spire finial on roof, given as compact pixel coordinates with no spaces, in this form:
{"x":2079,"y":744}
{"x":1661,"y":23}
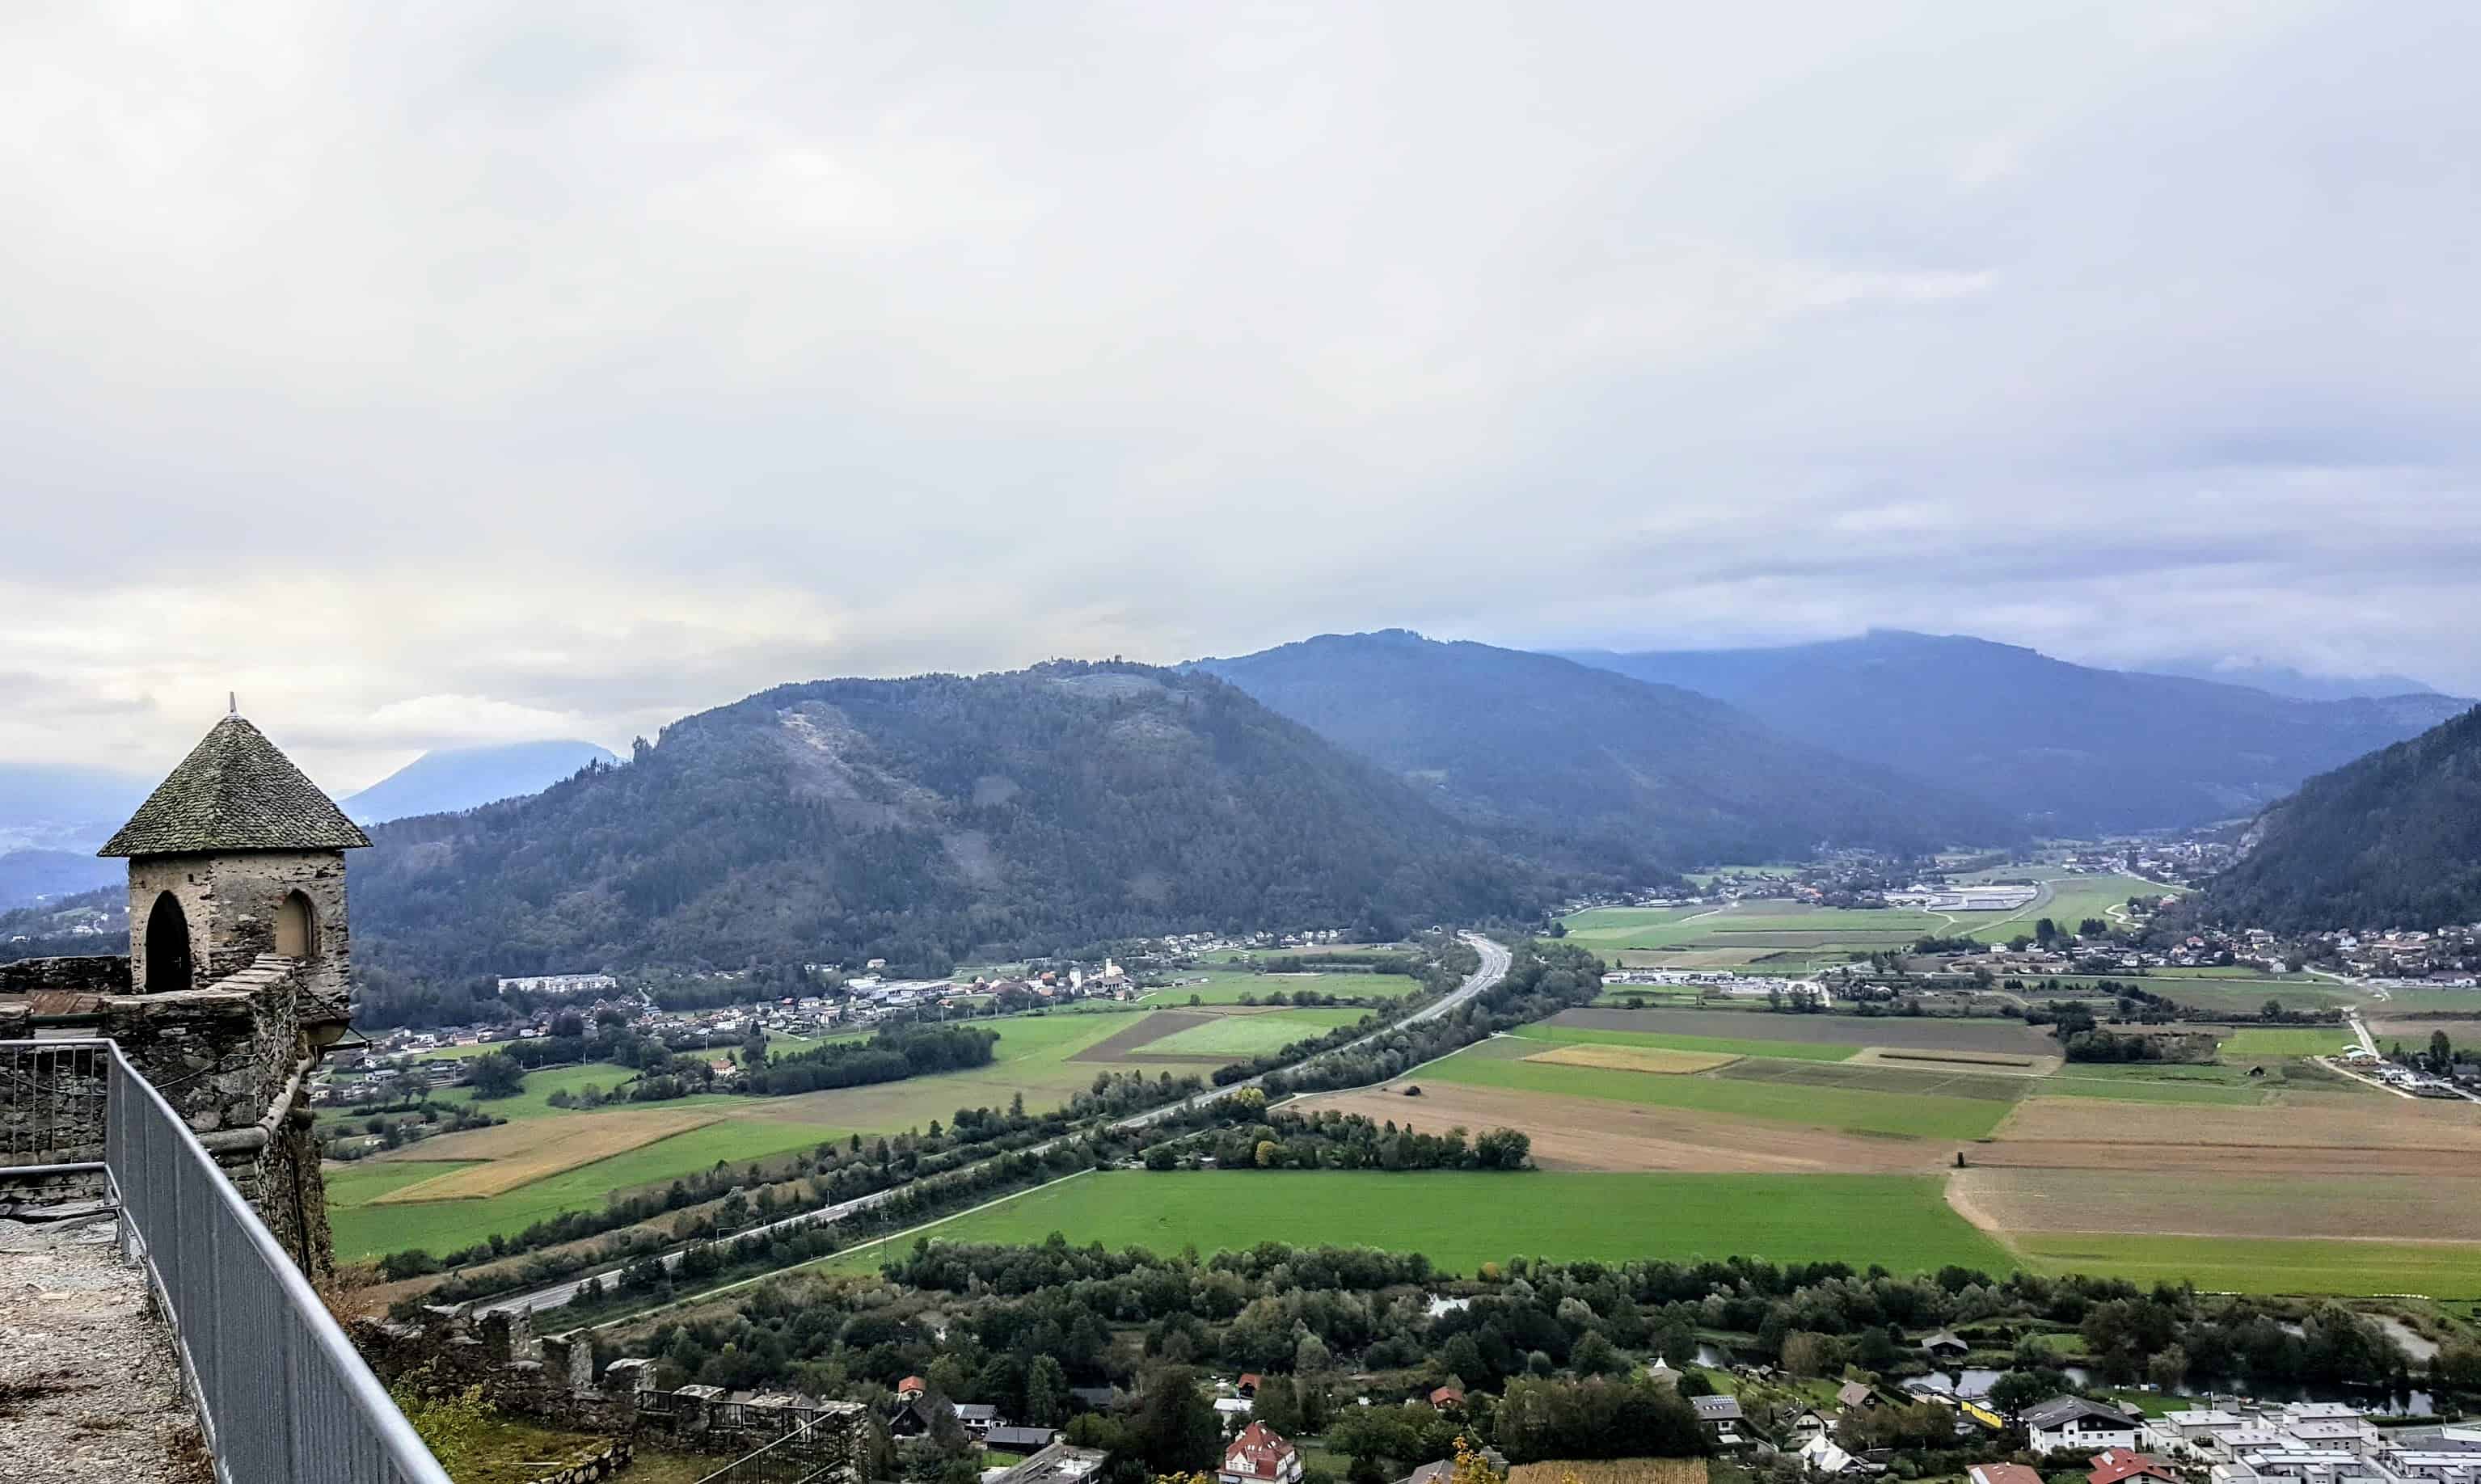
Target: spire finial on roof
{"x":232,"y":703}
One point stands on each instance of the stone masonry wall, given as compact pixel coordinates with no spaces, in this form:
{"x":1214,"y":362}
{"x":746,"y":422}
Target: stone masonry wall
{"x":230,"y":1059}
{"x":231,"y":901}
{"x":98,"y":974}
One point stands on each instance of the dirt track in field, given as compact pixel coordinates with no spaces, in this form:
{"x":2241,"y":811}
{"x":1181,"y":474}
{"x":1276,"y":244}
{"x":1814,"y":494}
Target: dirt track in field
{"x":2394,"y":1208}
{"x":1593,"y":1133}
{"x":1907,"y":1031}
{"x":2366,"y":1136}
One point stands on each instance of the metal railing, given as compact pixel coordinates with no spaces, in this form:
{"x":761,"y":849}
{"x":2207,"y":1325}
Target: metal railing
{"x":51,"y":1107}
{"x":793,"y":1458}
{"x":283,"y":1396}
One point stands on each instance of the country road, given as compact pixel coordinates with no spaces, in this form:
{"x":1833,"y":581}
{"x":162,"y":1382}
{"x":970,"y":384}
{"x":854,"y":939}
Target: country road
{"x":1494,"y":962}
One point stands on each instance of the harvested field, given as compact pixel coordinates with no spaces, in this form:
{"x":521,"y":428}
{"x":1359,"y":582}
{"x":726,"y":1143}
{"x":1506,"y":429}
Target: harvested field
{"x":1633,"y":1059}
{"x":1990,"y":1063}
{"x":2344,"y":1136}
{"x":1592,"y":1133}
{"x":1864,"y":1078}
{"x":1612,"y":1470}
{"x":1916,"y":1034}
{"x":520,"y":1153}
{"x":2414,"y":1033}
{"x":2390,"y":1207}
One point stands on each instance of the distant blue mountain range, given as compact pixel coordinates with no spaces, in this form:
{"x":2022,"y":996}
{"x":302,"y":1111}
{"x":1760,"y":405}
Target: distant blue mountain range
{"x":450,"y":779}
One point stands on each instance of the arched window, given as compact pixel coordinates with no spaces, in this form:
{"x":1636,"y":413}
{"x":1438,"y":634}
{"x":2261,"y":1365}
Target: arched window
{"x":297,"y":926}
{"x":168,"y":946}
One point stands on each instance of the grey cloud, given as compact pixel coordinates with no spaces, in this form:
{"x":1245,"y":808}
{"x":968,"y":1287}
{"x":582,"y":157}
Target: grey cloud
{"x":611,"y":362}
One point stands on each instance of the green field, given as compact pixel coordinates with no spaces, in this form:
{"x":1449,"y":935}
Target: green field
{"x":1031,"y":1059}
{"x":363,"y":1229}
{"x":1720,"y":1046}
{"x":2287,"y":1041}
{"x":1498,"y":1065}
{"x":1251,"y":1035}
{"x":2265,"y":1264}
{"x":1462,"y":1219}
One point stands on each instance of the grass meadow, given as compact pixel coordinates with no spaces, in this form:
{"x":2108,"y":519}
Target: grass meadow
{"x":1463,"y":1219}
{"x":2268,"y":1041}
{"x":365,"y":1227}
{"x":1252,"y":1035}
{"x":1498,"y":1063}
{"x":2265,"y":1264}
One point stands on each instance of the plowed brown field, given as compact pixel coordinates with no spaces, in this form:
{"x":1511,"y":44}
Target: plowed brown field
{"x":2395,"y":1208}
{"x":2361,"y":1136}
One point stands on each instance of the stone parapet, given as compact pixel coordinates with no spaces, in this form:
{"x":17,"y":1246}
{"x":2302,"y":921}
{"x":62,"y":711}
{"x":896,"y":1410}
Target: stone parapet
{"x":103,"y":973}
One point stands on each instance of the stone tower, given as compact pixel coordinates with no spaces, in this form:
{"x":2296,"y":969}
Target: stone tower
{"x":240,"y":968}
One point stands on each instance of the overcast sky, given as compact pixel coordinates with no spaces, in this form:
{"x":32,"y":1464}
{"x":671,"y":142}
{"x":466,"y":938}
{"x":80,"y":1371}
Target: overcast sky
{"x":451,"y":372}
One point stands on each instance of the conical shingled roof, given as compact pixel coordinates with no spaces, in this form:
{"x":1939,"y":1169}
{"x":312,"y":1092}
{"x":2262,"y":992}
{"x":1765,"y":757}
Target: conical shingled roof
{"x":235,"y":792}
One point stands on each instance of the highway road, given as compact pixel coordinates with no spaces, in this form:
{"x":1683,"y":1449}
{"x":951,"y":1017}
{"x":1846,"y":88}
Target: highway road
{"x":1494,"y":962}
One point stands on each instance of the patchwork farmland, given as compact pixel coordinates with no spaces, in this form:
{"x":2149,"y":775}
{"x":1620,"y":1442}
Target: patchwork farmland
{"x":2144,"y":1170}
{"x":455,"y":1190}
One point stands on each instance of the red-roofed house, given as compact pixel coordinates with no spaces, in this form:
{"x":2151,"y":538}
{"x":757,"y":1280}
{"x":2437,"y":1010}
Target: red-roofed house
{"x":2003,"y":1473}
{"x":1446,"y":1397}
{"x":910,"y":1388}
{"x":1260,"y":1455}
{"x":1249,"y":1383}
{"x":2112,"y":1465}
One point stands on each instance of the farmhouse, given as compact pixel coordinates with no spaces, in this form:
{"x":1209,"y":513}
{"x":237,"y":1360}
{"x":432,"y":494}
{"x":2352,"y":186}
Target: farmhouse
{"x":1946,"y":1346}
{"x":1260,"y":1455}
{"x":2071,"y":1423}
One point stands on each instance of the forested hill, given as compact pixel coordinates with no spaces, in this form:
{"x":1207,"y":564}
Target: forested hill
{"x":2391,"y":841}
{"x":927,"y":821}
{"x":2074,"y":749}
{"x":1617,"y":769}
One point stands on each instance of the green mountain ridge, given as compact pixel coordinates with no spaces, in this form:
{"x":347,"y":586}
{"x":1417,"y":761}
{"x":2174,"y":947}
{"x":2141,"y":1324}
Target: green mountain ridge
{"x":2392,"y":840}
{"x":1577,"y":762}
{"x":928,"y":820}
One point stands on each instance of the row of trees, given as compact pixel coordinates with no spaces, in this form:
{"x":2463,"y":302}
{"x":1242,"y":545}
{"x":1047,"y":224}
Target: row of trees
{"x":1345,"y":1141}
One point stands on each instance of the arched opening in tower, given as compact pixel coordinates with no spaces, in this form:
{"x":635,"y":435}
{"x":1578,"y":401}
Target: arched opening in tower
{"x":168,"y":946}
{"x":297,"y":926}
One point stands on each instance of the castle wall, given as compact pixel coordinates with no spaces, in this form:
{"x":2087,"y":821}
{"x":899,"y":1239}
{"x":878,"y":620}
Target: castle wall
{"x":96,"y":975}
{"x":230,"y":1060}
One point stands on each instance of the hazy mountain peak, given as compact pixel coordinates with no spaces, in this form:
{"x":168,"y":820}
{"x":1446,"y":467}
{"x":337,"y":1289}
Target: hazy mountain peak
{"x":448,"y":779}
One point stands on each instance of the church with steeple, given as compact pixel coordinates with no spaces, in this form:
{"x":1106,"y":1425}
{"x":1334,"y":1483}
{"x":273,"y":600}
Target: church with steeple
{"x":239,"y":975}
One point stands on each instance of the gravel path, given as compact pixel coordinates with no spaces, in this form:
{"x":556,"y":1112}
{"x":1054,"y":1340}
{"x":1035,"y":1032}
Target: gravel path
{"x":90,"y":1391}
